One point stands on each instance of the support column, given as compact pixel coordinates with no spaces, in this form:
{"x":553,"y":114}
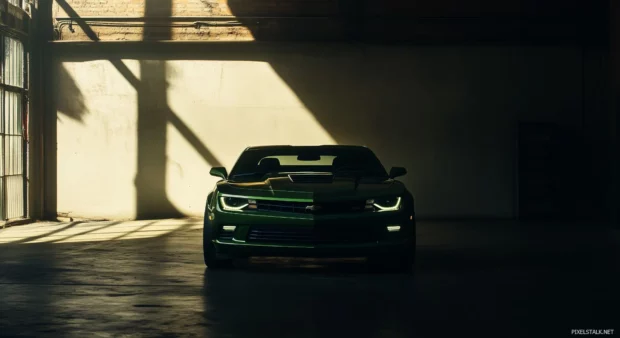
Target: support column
{"x":40,"y":33}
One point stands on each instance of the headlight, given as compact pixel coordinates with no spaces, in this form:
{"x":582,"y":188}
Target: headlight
{"x":233,"y":203}
{"x":385,"y":204}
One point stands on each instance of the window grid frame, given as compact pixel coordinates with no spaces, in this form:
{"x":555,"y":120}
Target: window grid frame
{"x":7,"y":86}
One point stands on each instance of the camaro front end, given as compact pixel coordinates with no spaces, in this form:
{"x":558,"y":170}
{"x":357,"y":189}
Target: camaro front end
{"x":304,"y":228}
{"x":325,"y":212}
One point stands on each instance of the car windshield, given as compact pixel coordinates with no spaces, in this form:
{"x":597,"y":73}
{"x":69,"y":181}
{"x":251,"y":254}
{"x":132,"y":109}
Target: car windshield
{"x":259,"y":163}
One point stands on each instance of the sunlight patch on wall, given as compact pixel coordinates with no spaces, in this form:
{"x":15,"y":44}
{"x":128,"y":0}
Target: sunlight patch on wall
{"x":231,"y":105}
{"x":223,"y":107}
{"x":97,"y":154}
{"x":187,"y":175}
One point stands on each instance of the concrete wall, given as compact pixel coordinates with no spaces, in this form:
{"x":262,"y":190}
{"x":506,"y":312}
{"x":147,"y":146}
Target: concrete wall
{"x":139,"y":125}
{"x":136,"y":138}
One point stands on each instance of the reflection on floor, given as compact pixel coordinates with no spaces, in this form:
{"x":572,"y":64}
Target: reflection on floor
{"x":146,"y":278}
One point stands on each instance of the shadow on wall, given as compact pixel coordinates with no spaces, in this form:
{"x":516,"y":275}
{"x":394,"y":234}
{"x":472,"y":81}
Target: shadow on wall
{"x":446,"y":113}
{"x":152,"y":201}
{"x":71,"y":100}
{"x":151,"y":198}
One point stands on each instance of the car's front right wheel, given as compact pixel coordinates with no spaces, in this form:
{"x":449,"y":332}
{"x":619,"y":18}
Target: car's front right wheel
{"x":401,"y":263}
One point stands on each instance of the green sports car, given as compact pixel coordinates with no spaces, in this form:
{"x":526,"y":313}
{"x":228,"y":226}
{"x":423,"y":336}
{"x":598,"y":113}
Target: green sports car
{"x":310,"y":201}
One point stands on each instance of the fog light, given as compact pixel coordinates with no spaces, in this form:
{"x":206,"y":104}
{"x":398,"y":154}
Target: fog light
{"x":393,"y":228}
{"x":229,"y":228}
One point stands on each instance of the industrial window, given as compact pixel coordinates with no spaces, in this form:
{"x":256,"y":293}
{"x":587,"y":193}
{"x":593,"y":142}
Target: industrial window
{"x":12,"y":142}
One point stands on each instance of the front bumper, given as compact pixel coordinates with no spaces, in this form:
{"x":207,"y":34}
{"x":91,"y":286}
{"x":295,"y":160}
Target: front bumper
{"x":352,"y":235}
{"x":231,"y":249}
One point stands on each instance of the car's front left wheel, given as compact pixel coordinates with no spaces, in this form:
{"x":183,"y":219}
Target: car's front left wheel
{"x":210,"y":256}
{"x":212,"y":261}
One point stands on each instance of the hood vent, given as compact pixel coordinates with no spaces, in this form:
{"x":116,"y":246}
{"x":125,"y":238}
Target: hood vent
{"x":311,"y":178}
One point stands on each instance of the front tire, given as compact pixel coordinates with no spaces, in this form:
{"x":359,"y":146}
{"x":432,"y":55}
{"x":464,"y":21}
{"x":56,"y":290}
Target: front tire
{"x":211,"y":259}
{"x":208,"y":248}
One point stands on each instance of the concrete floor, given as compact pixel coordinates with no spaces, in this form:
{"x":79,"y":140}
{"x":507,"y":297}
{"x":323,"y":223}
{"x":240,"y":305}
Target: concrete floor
{"x":147,"y":279}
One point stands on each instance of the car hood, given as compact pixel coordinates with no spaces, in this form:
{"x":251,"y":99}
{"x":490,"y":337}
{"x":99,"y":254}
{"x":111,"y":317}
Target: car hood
{"x":336,"y":189}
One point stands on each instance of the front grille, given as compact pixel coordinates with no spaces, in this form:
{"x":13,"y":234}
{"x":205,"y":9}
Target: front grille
{"x":340,"y":207}
{"x":319,"y":208}
{"x":282,"y":206}
{"x":328,"y":235}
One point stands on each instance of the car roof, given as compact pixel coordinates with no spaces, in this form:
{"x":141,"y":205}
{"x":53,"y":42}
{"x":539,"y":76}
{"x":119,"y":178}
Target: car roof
{"x":276,"y":147}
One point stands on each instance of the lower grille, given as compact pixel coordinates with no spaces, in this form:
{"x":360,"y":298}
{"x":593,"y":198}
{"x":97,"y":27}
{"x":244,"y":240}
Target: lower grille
{"x":281,"y":235}
{"x":332,"y":235}
{"x":226,"y":236}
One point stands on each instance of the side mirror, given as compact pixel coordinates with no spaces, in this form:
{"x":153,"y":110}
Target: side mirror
{"x":219,"y":172}
{"x":397,"y":172}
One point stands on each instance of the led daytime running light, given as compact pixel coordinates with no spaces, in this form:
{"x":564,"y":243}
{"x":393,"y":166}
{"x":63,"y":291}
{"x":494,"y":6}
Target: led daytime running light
{"x":229,"y":207}
{"x":390,"y":208}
